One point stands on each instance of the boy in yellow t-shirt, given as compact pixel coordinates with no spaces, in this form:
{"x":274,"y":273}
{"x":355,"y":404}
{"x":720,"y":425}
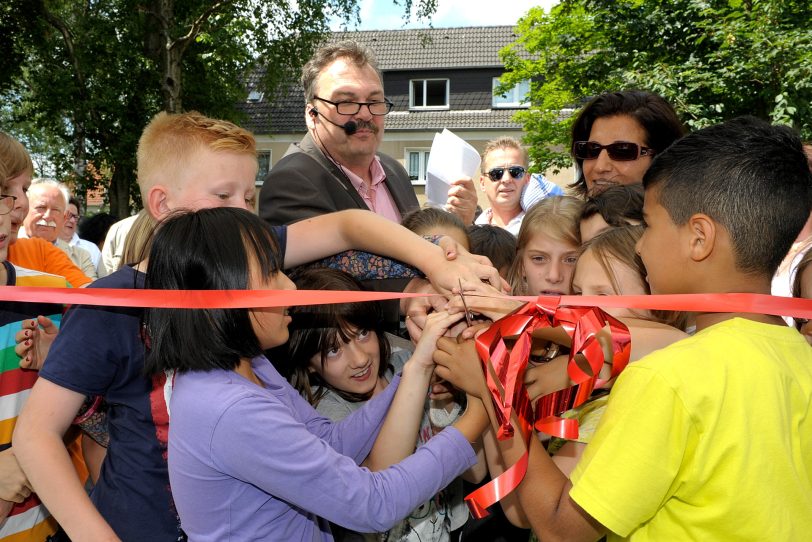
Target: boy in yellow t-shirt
{"x":709,"y":438}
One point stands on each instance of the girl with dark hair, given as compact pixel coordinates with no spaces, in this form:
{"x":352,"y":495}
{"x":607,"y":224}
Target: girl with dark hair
{"x":617,"y":134}
{"x":615,"y":207}
{"x":248,"y":457}
{"x":338,"y":354}
{"x":341,"y":358}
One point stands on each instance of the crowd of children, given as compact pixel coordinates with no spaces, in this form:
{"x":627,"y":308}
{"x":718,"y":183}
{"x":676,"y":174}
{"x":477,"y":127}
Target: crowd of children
{"x":315,"y":423}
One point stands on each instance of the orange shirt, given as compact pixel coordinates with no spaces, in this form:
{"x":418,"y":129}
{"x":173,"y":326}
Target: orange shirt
{"x":40,"y":255}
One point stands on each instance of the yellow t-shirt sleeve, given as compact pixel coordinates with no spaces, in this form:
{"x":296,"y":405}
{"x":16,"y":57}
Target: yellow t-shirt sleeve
{"x":632,"y":465}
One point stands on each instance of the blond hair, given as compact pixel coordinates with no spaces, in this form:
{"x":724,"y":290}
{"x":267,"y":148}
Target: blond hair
{"x":618,"y":245}
{"x":504,"y":142}
{"x":138,"y":240}
{"x":14,"y":157}
{"x":557,"y":218}
{"x":169,"y":141}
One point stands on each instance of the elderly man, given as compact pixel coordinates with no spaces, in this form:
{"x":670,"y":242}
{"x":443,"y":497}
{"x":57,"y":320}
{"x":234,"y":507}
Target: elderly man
{"x":47,"y":212}
{"x":336,"y":166}
{"x":71,"y":236}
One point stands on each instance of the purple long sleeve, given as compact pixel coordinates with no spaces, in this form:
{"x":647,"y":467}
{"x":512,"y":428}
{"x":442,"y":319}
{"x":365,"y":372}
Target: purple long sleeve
{"x":251,"y":462}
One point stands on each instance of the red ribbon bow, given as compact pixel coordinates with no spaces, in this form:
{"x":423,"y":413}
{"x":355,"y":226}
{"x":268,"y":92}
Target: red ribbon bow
{"x":504,"y":374}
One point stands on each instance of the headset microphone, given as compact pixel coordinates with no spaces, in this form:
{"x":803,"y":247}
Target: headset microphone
{"x":349,"y":127}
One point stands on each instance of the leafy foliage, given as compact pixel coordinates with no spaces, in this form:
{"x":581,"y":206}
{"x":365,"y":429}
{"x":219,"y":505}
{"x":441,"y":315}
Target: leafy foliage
{"x":712,"y":59}
{"x":79,"y":80}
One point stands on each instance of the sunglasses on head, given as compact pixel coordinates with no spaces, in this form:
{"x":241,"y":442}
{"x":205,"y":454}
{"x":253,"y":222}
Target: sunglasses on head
{"x":495,"y":174}
{"x":621,"y":151}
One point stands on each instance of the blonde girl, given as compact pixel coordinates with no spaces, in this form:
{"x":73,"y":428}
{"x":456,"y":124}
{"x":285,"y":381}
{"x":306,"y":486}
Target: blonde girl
{"x":547,"y":248}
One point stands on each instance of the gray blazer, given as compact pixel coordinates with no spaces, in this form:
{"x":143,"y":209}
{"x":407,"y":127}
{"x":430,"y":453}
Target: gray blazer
{"x":306,"y":183}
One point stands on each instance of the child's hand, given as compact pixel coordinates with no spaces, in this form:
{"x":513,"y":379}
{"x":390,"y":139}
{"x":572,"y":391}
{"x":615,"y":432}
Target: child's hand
{"x":34,"y":341}
{"x":458,"y":363}
{"x":460,"y":265}
{"x":437,"y":324}
{"x":483,"y":299}
{"x":417,"y":309}
{"x":14,"y":486}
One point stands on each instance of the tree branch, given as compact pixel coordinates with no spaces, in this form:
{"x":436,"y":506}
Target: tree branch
{"x":183,"y":42}
{"x":67,"y":37}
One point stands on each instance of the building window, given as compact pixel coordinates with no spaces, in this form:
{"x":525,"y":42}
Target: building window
{"x":428,"y":94}
{"x":264,"y":159}
{"x":515,"y":97}
{"x":255,"y":96}
{"x":416,"y":160}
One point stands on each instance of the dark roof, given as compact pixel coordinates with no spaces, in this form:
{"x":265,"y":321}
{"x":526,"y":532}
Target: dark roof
{"x":266,"y":118}
{"x":466,"y":47}
{"x":475,"y":119}
{"x":284,"y":114}
{"x":400,"y":50}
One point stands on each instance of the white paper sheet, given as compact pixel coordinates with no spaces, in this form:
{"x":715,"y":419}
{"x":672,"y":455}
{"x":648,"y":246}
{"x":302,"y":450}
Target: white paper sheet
{"x":451,"y":158}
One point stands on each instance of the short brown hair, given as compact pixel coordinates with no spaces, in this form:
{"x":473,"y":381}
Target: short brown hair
{"x":169,"y":140}
{"x":358,"y":53}
{"x":4,"y":176}
{"x":504,"y":142}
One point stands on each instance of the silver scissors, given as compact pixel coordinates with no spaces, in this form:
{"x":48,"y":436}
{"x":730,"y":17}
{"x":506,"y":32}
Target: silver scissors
{"x":469,"y":316}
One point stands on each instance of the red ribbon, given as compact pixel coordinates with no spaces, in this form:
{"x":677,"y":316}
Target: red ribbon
{"x":504,"y":367}
{"x":189,"y":299}
{"x":504,"y":374}
{"x":235,"y":299}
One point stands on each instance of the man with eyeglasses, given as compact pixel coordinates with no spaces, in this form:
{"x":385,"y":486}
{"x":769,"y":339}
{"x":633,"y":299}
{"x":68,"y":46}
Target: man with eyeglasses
{"x":71,"y":236}
{"x":48,"y":201}
{"x":336,"y":166}
{"x":504,"y":176}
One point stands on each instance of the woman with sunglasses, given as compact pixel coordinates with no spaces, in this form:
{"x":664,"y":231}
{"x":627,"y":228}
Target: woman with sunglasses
{"x":616,"y":136}
{"x":504,"y":176}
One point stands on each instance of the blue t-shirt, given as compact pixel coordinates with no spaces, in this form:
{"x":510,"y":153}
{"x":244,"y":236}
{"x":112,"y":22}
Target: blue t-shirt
{"x":100,"y":351}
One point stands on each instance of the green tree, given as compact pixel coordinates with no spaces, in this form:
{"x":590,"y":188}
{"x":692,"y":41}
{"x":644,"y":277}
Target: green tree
{"x":712,"y":59}
{"x":79,"y":80}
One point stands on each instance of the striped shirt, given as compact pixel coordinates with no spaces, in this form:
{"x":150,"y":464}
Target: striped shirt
{"x":28,"y":520}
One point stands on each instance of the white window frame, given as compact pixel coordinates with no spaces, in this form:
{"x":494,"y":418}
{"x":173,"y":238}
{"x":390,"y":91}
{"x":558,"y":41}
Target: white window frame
{"x":423,"y":161}
{"x":260,"y":180}
{"x":514,"y":98}
{"x":255,"y":96}
{"x":424,"y":107}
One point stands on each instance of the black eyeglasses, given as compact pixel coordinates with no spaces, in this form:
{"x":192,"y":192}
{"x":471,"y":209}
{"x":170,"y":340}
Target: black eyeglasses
{"x":621,"y":151}
{"x":7,"y":203}
{"x":71,"y":216}
{"x":495,"y":174}
{"x":378,"y":109}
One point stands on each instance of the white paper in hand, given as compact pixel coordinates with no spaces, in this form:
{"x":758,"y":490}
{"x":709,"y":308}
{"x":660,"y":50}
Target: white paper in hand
{"x":451,"y":158}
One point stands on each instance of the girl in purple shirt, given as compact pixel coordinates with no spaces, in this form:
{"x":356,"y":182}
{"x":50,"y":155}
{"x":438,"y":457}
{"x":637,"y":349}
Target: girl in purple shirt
{"x":248,"y":457}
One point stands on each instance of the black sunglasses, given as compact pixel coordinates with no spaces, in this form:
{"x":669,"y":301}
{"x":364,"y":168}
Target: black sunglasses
{"x":495,"y":174}
{"x":621,"y":151}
